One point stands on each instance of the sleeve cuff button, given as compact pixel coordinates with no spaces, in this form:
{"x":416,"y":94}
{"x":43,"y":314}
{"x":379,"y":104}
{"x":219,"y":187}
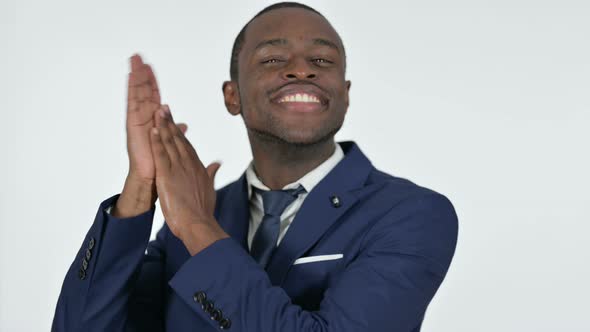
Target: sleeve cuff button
{"x":216,"y":315}
{"x":200,"y":297}
{"x":84,"y":264}
{"x":207,"y":306}
{"x":225,"y":324}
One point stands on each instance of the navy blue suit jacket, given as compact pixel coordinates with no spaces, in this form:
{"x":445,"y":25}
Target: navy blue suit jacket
{"x":396,"y":239}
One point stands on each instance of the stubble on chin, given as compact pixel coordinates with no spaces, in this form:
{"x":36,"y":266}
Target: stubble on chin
{"x":274,"y":131}
{"x":290,"y":137}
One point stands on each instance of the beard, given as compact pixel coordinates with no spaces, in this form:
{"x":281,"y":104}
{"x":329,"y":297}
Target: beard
{"x":315,"y":139}
{"x":272,"y":130}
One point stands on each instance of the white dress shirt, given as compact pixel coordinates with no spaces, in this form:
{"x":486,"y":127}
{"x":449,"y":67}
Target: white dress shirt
{"x":308,"y":181}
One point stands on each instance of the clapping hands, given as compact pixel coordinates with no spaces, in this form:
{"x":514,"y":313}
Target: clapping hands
{"x":164,"y":164}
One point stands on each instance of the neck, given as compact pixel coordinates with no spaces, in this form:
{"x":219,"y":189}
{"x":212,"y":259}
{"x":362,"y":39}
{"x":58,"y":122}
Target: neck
{"x":278,"y":163}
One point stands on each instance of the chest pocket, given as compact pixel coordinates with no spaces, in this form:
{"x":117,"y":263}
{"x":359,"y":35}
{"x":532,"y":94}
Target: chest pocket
{"x":309,"y":277}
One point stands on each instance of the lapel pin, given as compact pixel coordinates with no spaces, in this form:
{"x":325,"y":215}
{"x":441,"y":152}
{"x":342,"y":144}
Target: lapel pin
{"x":335,"y":201}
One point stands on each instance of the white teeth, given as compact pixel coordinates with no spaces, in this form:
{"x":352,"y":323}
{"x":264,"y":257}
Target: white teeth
{"x":299,"y":98}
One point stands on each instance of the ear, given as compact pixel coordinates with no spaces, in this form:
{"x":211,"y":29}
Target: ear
{"x":231,"y":95}
{"x":348,"y":84}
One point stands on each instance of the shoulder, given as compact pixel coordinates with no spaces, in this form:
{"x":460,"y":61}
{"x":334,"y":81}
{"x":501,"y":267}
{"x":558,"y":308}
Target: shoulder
{"x":394,"y":191}
{"x":405,"y":220}
{"x":410,"y":212}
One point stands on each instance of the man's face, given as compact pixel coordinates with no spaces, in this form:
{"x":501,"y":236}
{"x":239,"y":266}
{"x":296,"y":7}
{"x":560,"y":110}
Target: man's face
{"x":291,"y":77}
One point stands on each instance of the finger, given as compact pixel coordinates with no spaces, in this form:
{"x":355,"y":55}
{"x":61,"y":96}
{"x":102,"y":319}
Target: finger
{"x":143,"y":92}
{"x":155,"y":90}
{"x":183,"y":127}
{"x":140,"y":75}
{"x":183,"y":146}
{"x":159,"y":153}
{"x":167,"y":136}
{"x":158,"y":120}
{"x":136,"y":62}
{"x":138,"y":89}
{"x":133,"y":103}
{"x":212,"y":170}
{"x":174,"y":128}
{"x":142,"y":100}
{"x":132,"y":107}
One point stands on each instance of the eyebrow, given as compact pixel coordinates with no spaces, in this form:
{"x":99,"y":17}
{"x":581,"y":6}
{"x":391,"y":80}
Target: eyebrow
{"x":282,"y":42}
{"x":325,"y":42}
{"x":271,"y":42}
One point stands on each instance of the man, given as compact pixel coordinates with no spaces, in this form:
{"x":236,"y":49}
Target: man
{"x":311,"y":237}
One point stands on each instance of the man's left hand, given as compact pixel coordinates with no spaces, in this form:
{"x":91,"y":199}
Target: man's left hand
{"x":185,"y":187}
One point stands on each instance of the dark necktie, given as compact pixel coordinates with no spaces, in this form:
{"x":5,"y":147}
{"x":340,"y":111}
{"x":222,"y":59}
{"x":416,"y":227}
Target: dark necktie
{"x":265,"y":239}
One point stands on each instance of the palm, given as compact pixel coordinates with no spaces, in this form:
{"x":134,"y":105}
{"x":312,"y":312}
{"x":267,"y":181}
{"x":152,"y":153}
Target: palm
{"x":143,"y":100}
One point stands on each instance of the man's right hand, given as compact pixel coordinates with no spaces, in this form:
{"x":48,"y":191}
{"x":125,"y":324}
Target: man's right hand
{"x":143,"y":100}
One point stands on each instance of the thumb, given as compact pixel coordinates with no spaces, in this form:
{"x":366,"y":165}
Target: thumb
{"x":183,"y":127}
{"x":212,"y":169}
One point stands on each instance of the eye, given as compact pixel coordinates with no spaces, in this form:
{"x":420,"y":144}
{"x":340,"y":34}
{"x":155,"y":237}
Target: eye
{"x":273,"y":60}
{"x":321,"y":61}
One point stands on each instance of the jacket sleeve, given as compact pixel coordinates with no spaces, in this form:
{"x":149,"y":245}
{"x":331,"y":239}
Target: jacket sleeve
{"x":387,"y":287}
{"x":103,"y":288}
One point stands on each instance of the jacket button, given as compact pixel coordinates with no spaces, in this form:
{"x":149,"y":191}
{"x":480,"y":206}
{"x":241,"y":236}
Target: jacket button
{"x":88,"y":254}
{"x":216,"y":315}
{"x":200,"y":297}
{"x":207,"y":306}
{"x":91,"y":243}
{"x":82,"y":274}
{"x":225,"y":324}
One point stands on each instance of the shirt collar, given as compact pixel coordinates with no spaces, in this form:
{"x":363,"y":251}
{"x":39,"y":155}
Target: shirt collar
{"x":308,"y":181}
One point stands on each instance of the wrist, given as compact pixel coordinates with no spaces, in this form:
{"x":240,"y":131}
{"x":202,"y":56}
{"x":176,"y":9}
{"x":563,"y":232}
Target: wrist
{"x":137,"y":197}
{"x":199,"y":236}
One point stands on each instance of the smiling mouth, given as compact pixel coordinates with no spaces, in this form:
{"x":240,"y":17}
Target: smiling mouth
{"x":299,"y":98}
{"x":301,"y":103}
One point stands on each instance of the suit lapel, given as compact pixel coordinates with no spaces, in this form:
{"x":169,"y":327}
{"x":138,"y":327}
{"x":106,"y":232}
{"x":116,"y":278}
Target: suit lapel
{"x":233,"y":212}
{"x":318,"y":213}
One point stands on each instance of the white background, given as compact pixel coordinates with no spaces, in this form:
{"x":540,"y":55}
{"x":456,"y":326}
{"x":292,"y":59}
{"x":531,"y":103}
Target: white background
{"x":487,"y":102}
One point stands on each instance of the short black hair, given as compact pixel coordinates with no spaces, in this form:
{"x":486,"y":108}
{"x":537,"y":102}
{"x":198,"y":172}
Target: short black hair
{"x":239,"y":41}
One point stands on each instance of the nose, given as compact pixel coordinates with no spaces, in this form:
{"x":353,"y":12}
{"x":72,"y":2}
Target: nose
{"x":299,"y":69}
